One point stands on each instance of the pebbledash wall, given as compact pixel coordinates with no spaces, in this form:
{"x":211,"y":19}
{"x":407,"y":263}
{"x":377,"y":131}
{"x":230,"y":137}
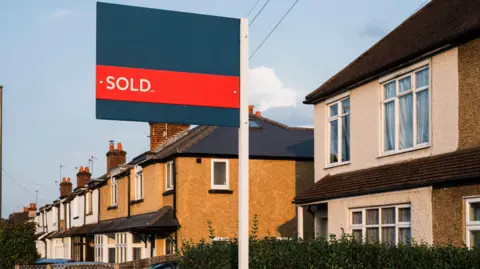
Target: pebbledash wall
{"x":272,"y":188}
{"x":366,"y":121}
{"x":419,"y":199}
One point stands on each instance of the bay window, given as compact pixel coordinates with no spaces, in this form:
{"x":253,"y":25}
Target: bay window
{"x":472,"y":215}
{"x":389,"y":224}
{"x":406,"y":111}
{"x":339,"y":131}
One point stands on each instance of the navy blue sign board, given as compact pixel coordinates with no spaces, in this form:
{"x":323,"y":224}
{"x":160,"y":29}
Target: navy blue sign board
{"x":166,"y":66}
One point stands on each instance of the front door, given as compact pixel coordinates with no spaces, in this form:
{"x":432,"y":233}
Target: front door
{"x":90,"y":249}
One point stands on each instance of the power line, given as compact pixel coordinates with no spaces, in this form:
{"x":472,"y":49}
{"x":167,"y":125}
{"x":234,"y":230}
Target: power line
{"x":259,"y":12}
{"x":253,"y":8}
{"x":273,"y":30}
{"x":14,"y":181}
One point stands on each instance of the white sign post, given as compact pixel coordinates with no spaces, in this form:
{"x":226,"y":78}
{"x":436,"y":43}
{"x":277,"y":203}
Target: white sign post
{"x":243,"y":151}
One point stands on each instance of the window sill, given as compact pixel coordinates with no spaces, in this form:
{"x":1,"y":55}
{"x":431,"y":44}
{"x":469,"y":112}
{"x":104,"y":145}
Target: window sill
{"x":169,"y":192}
{"x":333,"y":165}
{"x":89,"y":214}
{"x":391,"y":153}
{"x":136,"y":201}
{"x":77,"y":217}
{"x":112,"y":207}
{"x":220,"y":191}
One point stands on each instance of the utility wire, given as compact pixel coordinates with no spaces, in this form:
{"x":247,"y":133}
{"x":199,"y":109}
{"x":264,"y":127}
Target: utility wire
{"x":273,"y":30}
{"x":253,"y":8}
{"x":14,"y":181}
{"x":266,"y":3}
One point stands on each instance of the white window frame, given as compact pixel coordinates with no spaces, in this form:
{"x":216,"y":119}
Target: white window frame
{"x":114,"y":192}
{"x":99,"y":247}
{"x":169,"y":177}
{"x":174,"y":251}
{"x":121,"y":247}
{"x":396,"y":99}
{"x":89,"y":202}
{"x":212,"y":175}
{"x":398,"y":225}
{"x":339,"y":119}
{"x":139,"y":182}
{"x":140,"y":246}
{"x":470,"y":225}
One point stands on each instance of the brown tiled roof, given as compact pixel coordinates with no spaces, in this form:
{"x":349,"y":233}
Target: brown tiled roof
{"x":454,"y":166}
{"x":440,"y":23}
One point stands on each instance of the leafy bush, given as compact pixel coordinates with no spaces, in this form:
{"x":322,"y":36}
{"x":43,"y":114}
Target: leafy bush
{"x":17,"y":244}
{"x":345,"y":253}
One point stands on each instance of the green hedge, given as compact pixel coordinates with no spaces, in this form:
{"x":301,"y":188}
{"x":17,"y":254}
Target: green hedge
{"x":17,"y":244}
{"x":272,"y":253}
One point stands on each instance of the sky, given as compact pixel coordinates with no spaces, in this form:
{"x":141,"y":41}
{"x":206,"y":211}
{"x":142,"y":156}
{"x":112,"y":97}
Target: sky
{"x":47,"y":67}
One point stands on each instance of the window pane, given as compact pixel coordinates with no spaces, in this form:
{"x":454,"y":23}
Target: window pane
{"x":346,"y":106}
{"x":346,"y":138}
{"x":405,"y":84}
{"x":388,"y":235}
{"x":475,"y":211}
{"x":475,"y":239}
{"x":389,"y":126}
{"x":333,"y":110}
{"x":406,"y":121}
{"x":137,"y":254}
{"x":404,"y":214}
{"x":357,"y":235}
{"x":422,"y":78}
{"x":390,"y":90}
{"x":372,"y":216}
{"x":357,"y":217}
{"x":372,"y":235}
{"x":220,"y":173}
{"x":404,"y":235}
{"x":111,"y":255}
{"x":334,"y":141}
{"x":388,"y":215}
{"x":423,"y":128}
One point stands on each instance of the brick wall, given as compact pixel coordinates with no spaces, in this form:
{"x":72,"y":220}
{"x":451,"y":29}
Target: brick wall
{"x":161,"y":132}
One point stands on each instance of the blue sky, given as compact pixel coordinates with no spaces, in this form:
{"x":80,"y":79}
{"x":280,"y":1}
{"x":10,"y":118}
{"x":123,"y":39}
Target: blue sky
{"x":47,"y":66}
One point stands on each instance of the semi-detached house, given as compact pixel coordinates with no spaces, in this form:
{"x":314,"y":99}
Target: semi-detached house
{"x":150,"y":205}
{"x":397,"y":135}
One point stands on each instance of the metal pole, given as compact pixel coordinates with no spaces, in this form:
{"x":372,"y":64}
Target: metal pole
{"x":243,"y":150}
{"x":1,"y":149}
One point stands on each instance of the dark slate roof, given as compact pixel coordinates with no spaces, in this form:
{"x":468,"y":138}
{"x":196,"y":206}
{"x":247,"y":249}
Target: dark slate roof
{"x":453,"y":167}
{"x":19,"y":216}
{"x":440,"y":23}
{"x":270,"y":140}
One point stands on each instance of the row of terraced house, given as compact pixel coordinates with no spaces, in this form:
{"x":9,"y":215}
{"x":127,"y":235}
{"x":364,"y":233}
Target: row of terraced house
{"x":150,"y":205}
{"x":394,"y":156}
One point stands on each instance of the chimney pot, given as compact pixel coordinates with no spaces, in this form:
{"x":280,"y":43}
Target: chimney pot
{"x":83,"y":176}
{"x":112,"y":147}
{"x":115,"y":157}
{"x":250,"y":109}
{"x":68,"y":179}
{"x":81,"y":169}
{"x":119,"y":146}
{"x":87,"y":169}
{"x":25,"y":209}
{"x":65,"y":188}
{"x":63,"y":179}
{"x":258,"y":113}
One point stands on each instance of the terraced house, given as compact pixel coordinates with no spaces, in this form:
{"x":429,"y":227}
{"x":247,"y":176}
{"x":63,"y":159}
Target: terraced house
{"x":397,"y":134}
{"x":148,"y":206}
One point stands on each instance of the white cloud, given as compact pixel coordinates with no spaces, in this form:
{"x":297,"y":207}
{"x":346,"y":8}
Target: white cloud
{"x":61,"y":13}
{"x":266,"y":91}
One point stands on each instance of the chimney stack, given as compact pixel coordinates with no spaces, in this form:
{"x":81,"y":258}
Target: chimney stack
{"x":83,"y":176}
{"x":32,"y":210}
{"x":115,"y":157}
{"x":65,"y":188}
{"x":162,"y":132}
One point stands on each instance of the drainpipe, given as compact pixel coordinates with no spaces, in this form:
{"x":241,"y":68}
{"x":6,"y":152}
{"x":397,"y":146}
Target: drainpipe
{"x":128,"y":196}
{"x":174,"y":166}
{"x":85,"y":208}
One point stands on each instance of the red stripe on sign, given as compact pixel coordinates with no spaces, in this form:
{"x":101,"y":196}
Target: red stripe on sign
{"x":167,"y":87}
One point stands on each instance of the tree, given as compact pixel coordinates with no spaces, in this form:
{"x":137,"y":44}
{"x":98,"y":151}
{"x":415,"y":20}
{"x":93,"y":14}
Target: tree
{"x":17,"y":243}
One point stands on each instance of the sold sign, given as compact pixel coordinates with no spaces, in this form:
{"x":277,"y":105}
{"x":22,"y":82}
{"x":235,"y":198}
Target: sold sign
{"x":165,"y":66}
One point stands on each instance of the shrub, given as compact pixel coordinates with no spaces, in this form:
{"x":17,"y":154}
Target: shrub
{"x":345,"y":253}
{"x":17,"y":244}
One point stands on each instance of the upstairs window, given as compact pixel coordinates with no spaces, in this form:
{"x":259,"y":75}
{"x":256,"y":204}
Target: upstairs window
{"x":114,"y":192}
{"x":138,"y":182}
{"x":62,"y":216}
{"x":219,"y":174}
{"x":169,"y":176}
{"x":54,"y":215}
{"x":88,"y":197}
{"x":406,"y":111}
{"x":339,"y":132}
{"x":74,"y":205}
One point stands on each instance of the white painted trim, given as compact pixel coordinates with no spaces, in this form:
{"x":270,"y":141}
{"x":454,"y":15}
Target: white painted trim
{"x":212,"y":174}
{"x":300,"y":221}
{"x":336,"y":98}
{"x":470,"y":225}
{"x":139,"y":190}
{"x":339,"y":119}
{"x":403,"y":71}
{"x":170,"y":163}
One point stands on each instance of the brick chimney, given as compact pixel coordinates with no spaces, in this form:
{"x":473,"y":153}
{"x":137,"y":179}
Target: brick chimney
{"x":65,"y":188}
{"x":162,"y":132}
{"x":83,"y":176}
{"x":32,"y":210}
{"x":115,"y":157}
